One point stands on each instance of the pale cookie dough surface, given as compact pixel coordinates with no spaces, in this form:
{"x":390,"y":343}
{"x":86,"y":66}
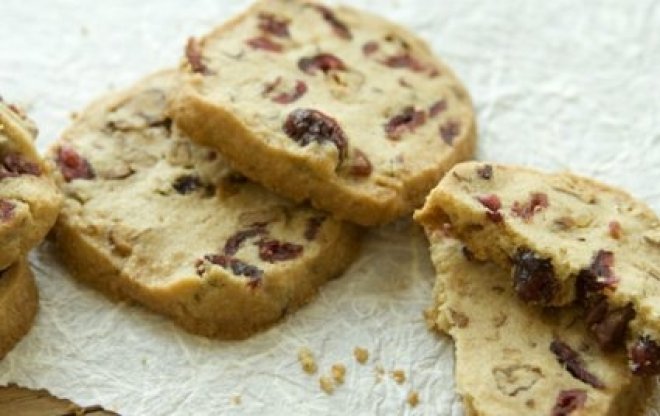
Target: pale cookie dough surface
{"x":29,"y":201}
{"x":565,"y":238}
{"x":507,"y":353}
{"x":154,"y":218}
{"x":19,"y":301}
{"x":337,"y":106}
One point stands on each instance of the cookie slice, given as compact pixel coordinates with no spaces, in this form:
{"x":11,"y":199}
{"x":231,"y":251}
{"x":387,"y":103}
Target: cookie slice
{"x":152,"y":217}
{"x":565,"y":238}
{"x":15,"y":400}
{"x":18,"y":304}
{"x":515,"y":360}
{"x":29,"y":200}
{"x":335,"y":105}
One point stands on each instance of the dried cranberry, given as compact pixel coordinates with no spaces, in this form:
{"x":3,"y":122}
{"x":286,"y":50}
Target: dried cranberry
{"x":269,"y":23}
{"x":194,"y":56}
{"x":610,"y":327}
{"x":571,"y":360}
{"x":533,"y":277}
{"x":537,"y":202}
{"x":490,"y":201}
{"x":569,"y":401}
{"x":405,"y":60}
{"x":360,"y":164}
{"x":274,"y":250}
{"x":6,"y":210}
{"x":449,"y":131}
{"x":437,"y":108}
{"x":313,"y":226}
{"x":234,"y":242}
{"x":264,"y":43}
{"x":599,"y":276}
{"x":370,"y":47}
{"x":408,"y":120}
{"x":485,"y":172}
{"x":13,"y":165}
{"x":337,"y":25}
{"x":72,"y":165}
{"x":305,"y":125}
{"x":324,"y":61}
{"x":238,"y":267}
{"x":614,"y":228}
{"x":285,"y":97}
{"x":645,"y":357}
{"x":186,"y":184}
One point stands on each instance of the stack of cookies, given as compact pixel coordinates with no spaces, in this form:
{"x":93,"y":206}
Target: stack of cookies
{"x":29,"y":203}
{"x":224,"y":193}
{"x":549,"y":285}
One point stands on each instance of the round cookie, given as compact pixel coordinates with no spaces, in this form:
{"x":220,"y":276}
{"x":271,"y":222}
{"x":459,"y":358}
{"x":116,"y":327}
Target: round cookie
{"x":19,"y":302}
{"x":336,"y":106}
{"x":152,"y":217}
{"x":511,"y":359}
{"x":565,"y":238}
{"x":29,"y":201}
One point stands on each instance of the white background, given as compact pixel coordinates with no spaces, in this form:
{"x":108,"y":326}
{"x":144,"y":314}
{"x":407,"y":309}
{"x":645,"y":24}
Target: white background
{"x":557,"y":84}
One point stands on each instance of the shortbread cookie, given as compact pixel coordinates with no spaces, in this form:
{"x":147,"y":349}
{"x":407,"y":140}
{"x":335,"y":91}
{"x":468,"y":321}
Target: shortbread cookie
{"x":18,"y":304}
{"x":512,"y":359}
{"x":21,"y":401}
{"x":150,"y":216}
{"x":335,"y":106}
{"x":565,"y":238}
{"x":29,"y":200}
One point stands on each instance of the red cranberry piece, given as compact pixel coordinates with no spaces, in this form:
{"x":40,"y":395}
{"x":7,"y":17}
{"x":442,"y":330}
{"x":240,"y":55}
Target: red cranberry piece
{"x":437,"y":108}
{"x":264,"y":43}
{"x":449,"y":131}
{"x":485,"y":172}
{"x":186,"y":184}
{"x":313,"y":226}
{"x":234,"y":242}
{"x":274,"y":250}
{"x":324,"y":61}
{"x":405,"y":60}
{"x":305,"y":125}
{"x":337,"y":25}
{"x":285,"y":97}
{"x":360,"y":164}
{"x":599,"y":276}
{"x":569,"y":401}
{"x":72,"y":165}
{"x":610,"y":330}
{"x":238,"y":267}
{"x":490,"y":201}
{"x":194,"y":56}
{"x":408,"y":120}
{"x":614,"y":228}
{"x":537,"y":202}
{"x":370,"y":47}
{"x":13,"y":165}
{"x":6,"y":210}
{"x":645,"y":357}
{"x":533,"y":277}
{"x":571,"y":360}
{"x":269,"y":23}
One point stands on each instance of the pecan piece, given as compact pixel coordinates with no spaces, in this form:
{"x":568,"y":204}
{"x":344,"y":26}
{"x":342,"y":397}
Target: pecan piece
{"x":305,"y":125}
{"x":407,"y":121}
{"x":72,"y":165}
{"x":324,"y":62}
{"x":570,"y":359}
{"x":568,"y":401}
{"x":533,"y":277}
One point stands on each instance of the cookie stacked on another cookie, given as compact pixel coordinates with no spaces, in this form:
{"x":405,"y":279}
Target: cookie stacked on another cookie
{"x":335,"y":106}
{"x":29,"y":203}
{"x":150,"y":216}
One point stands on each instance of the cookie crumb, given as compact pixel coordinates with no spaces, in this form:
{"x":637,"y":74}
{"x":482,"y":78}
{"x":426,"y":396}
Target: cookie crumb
{"x":327,"y":384}
{"x":307,"y":361}
{"x":361,"y":354}
{"x":338,"y":373}
{"x":236,"y":399}
{"x":413,"y":398}
{"x":399,"y":376}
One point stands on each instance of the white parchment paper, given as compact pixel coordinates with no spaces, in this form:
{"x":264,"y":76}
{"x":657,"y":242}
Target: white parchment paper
{"x":557,"y":84}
